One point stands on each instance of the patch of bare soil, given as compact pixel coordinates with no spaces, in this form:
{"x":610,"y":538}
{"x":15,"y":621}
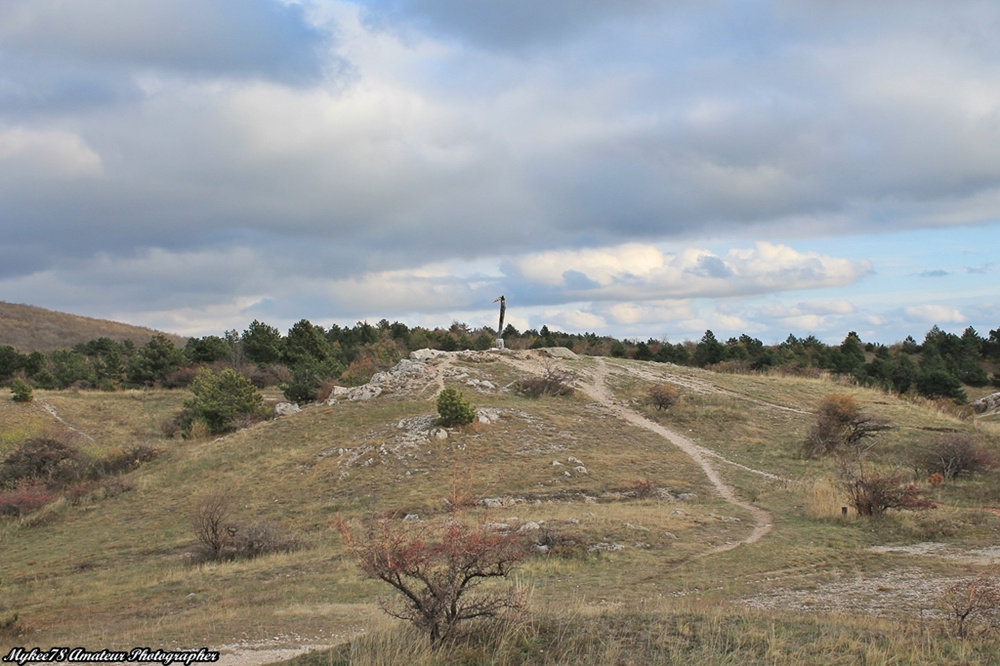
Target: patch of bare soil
{"x":909,"y":592}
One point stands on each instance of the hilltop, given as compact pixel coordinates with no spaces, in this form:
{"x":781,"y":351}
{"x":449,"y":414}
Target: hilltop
{"x":692,"y":533}
{"x":28,"y":328}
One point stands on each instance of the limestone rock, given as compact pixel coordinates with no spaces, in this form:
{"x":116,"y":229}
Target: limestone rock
{"x":286,"y":409}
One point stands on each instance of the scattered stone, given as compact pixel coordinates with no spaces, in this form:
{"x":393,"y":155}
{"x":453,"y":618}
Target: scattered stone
{"x":573,"y":521}
{"x":636,"y":527}
{"x":491,"y":502}
{"x":556,"y":463}
{"x":541,"y":548}
{"x":488,"y":415}
{"x":286,"y":409}
{"x":605,"y":548}
{"x":670,"y":535}
{"x":411,"y":518}
{"x":496,"y":527}
{"x":530,"y":526}
{"x":580,"y":469}
{"x":573,"y":460}
{"x":438,"y":433}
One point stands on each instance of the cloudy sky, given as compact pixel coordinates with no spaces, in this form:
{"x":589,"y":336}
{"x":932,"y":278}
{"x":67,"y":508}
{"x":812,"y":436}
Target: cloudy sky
{"x":640,"y":168}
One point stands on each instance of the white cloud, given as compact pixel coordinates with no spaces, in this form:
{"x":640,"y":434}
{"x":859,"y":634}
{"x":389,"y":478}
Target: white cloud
{"x":635,"y":271}
{"x":45,"y":154}
{"x":934,"y":314}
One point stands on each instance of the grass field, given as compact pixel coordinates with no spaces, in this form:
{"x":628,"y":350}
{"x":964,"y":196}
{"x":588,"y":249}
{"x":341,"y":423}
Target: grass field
{"x":120,"y":571}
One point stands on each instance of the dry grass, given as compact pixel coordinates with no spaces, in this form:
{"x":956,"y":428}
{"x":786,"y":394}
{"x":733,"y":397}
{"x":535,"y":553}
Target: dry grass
{"x":30,"y":328}
{"x":120,"y":571}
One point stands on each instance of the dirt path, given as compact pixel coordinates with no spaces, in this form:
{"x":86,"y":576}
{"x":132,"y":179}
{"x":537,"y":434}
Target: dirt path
{"x":599,"y":392}
{"x":597,"y":389}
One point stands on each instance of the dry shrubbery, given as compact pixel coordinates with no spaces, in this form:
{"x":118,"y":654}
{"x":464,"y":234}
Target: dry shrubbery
{"x":663,"y":396}
{"x":45,"y":468}
{"x":437,"y":571}
{"x":222,"y":538}
{"x":555,"y":381}
{"x":872,"y":492}
{"x":957,"y":454}
{"x":841,"y":422}
{"x":973,"y":605}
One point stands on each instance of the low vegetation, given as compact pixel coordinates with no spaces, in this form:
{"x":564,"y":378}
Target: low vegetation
{"x":629,"y":553}
{"x":438,"y":570}
{"x":453,"y":409}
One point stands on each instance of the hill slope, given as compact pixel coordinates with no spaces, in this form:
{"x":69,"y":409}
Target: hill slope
{"x":737,"y":527}
{"x":28,"y":328}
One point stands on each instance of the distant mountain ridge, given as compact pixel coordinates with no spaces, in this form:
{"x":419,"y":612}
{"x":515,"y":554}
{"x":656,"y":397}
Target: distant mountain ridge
{"x":29,"y":328}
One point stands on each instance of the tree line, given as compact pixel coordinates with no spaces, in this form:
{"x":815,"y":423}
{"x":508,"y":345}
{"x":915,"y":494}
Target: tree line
{"x":309,"y":357}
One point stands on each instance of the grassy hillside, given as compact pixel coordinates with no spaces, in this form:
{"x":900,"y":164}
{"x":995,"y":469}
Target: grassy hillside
{"x":28,"y":328}
{"x":672,"y":575}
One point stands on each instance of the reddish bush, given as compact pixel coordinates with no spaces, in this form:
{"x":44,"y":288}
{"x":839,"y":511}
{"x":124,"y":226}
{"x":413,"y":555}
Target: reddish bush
{"x":24,"y":499}
{"x":871,"y":493}
{"x":437,"y":570}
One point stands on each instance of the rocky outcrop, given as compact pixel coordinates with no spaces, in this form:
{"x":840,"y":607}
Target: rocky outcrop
{"x":286,"y":409}
{"x":990,"y":403}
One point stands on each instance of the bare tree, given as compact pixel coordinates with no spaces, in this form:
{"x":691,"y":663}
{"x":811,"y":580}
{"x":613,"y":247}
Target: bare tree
{"x":211,"y":520}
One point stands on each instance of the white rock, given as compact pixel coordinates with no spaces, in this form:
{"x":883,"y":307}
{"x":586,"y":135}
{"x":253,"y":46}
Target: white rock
{"x":439,"y":433}
{"x":424,"y":355}
{"x":580,"y":469}
{"x":411,"y":518}
{"x":530,"y":526}
{"x":286,"y":409}
{"x":576,"y":461}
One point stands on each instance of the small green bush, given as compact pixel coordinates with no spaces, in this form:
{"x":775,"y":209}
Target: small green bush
{"x":223,"y":401}
{"x":453,"y":409}
{"x":21,"y":390}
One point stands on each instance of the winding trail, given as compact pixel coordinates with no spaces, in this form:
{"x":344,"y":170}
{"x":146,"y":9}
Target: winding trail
{"x":597,"y":389}
{"x":762,"y":520}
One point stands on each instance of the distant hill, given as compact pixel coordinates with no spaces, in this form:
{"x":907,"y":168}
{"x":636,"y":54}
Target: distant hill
{"x":28,"y":328}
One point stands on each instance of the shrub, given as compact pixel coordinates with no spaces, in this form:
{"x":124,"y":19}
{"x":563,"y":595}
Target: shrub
{"x":555,"y":381}
{"x":222,"y":538}
{"x":211,"y":523}
{"x":840,"y":421}
{"x":221,"y":400}
{"x":436,"y":570}
{"x":21,"y":390}
{"x":24,"y":499}
{"x":663,"y":396}
{"x":871,"y":492}
{"x":52,"y":462}
{"x":261,"y":538}
{"x":956,"y":454}
{"x":453,"y":409}
{"x":120,"y":460}
{"x":973,"y":604}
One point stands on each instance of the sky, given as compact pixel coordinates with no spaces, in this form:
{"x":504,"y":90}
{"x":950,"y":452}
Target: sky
{"x":637,"y":168}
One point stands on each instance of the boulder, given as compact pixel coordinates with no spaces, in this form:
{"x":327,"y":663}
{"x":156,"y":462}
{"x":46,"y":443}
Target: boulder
{"x":988,"y":404}
{"x":286,"y":409}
